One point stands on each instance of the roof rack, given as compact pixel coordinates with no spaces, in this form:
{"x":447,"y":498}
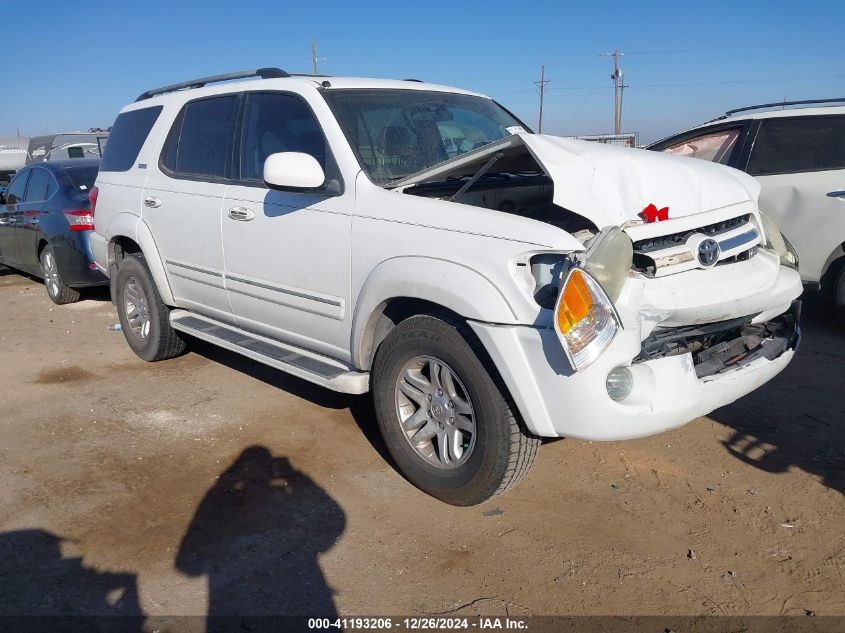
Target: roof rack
{"x":264,"y":73}
{"x":784,"y":103}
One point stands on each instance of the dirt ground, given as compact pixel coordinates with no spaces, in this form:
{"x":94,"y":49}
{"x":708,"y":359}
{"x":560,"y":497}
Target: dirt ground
{"x":211,"y":484}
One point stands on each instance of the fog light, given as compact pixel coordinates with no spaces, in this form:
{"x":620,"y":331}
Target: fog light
{"x":620,"y":381}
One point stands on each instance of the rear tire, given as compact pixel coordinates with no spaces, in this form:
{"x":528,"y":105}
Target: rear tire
{"x":144,"y":317}
{"x":838,"y":288}
{"x":59,"y":293}
{"x":422,"y":361}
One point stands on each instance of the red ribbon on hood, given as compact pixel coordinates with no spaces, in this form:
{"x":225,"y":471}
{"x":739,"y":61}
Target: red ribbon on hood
{"x":652,"y":214}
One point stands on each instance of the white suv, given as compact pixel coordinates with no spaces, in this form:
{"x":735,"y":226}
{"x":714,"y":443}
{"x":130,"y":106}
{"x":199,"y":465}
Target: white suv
{"x":490,"y":286}
{"x":796,"y":150}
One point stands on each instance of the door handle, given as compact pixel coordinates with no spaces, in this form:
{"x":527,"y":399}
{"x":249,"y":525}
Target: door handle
{"x":152,"y":202}
{"x":241,"y":213}
{"x":836,"y":194}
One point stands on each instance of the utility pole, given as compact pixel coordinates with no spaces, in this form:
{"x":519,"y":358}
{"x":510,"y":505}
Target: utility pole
{"x":541,"y":88}
{"x":619,"y":86}
{"x":314,"y":58}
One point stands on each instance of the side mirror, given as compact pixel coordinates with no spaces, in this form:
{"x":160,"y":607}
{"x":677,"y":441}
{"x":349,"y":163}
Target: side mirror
{"x":2,"y":197}
{"x":293,"y":171}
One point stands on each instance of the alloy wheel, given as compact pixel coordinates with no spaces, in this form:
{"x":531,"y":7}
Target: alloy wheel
{"x":435,"y":412}
{"x":137,"y":309}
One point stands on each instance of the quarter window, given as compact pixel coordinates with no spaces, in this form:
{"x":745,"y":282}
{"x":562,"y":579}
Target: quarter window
{"x":791,"y":145}
{"x":39,"y":184}
{"x":717,"y":147}
{"x":274,"y":123}
{"x":128,"y":134}
{"x":200,"y":140}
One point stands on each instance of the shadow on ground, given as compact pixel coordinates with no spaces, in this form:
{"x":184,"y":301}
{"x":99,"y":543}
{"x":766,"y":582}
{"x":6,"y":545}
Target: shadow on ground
{"x":797,"y":420}
{"x":360,"y":407}
{"x":256,"y":537}
{"x":36,"y":579}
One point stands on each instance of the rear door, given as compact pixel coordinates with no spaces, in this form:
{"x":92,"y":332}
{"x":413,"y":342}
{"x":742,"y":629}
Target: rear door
{"x":800,"y":163}
{"x":183,"y":198}
{"x":287,"y":253}
{"x":9,"y":251}
{"x":42,"y":186}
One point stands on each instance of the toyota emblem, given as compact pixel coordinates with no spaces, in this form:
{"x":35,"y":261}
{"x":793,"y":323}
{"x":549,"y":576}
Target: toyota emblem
{"x":708,"y":252}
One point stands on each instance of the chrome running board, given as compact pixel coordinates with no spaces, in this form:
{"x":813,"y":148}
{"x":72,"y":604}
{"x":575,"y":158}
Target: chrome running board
{"x":321,"y":370}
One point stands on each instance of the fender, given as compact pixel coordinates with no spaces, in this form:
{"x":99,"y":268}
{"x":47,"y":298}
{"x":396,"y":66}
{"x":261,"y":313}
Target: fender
{"x":131,"y":226}
{"x":468,"y":293}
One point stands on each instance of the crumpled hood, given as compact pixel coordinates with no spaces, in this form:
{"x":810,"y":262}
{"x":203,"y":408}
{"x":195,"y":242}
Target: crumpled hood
{"x":611,"y":185}
{"x":608,"y":184}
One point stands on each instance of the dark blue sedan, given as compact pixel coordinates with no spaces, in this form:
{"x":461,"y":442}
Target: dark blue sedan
{"x":45,"y":222}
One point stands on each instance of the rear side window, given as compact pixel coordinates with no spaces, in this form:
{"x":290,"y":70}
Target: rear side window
{"x":794,"y":145}
{"x":128,"y":134}
{"x":16,"y":189}
{"x":199,"y":142}
{"x":39,"y":186}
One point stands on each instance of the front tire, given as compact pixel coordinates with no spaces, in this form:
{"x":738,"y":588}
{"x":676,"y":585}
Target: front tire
{"x":445,"y":413}
{"x":144,"y":317}
{"x":59,"y":293}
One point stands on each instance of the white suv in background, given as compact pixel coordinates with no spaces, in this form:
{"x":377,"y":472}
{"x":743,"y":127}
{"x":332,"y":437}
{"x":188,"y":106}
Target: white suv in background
{"x":796,"y":150}
{"x":489,"y":286}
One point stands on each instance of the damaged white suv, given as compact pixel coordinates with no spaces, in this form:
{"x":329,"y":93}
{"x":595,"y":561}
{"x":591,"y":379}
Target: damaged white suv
{"x":490,"y":286}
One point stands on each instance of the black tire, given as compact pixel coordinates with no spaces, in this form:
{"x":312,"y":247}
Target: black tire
{"x":158,"y":341}
{"x":503,"y":451}
{"x":838,"y":287}
{"x":57,"y":290}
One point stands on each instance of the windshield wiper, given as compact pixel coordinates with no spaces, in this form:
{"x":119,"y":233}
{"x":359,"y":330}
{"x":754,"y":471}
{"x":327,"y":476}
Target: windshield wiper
{"x":469,"y":183}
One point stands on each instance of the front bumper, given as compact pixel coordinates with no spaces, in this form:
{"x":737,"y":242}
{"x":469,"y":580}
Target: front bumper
{"x":556,"y":401}
{"x":667,"y":392}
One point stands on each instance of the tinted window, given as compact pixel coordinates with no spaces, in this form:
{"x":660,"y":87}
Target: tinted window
{"x":277,"y":123}
{"x":716,"y":147}
{"x":795,"y":145}
{"x":16,"y":188}
{"x":128,"y":134}
{"x":199,"y":142}
{"x":39,"y":183}
{"x":82,"y":178}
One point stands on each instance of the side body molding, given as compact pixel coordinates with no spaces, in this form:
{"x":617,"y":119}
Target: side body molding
{"x":446,"y":283}
{"x":131,"y":226}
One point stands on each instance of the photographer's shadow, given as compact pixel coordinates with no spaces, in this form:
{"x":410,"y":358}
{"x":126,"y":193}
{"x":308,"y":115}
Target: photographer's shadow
{"x":257,"y":535}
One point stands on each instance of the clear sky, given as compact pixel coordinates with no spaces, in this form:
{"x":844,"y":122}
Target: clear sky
{"x":73,"y":64}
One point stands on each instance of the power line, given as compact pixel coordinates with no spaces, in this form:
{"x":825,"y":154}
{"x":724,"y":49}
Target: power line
{"x":541,"y":88}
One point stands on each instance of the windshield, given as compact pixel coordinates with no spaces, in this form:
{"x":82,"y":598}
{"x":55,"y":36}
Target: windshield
{"x":82,"y":177}
{"x":396,"y":133}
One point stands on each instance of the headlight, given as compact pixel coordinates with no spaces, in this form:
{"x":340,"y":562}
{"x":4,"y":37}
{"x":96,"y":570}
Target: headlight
{"x":776,"y":241}
{"x":608,"y":259}
{"x":585,"y":319}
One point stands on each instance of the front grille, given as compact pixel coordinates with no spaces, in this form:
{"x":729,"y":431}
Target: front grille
{"x":662,"y":242}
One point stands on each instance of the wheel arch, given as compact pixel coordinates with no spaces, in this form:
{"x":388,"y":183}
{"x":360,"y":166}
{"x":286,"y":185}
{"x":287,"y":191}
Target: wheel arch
{"x":127,"y":233}
{"x":388,"y":297}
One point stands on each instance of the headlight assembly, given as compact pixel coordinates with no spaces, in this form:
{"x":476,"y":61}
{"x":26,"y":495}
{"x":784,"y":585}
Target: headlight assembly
{"x":585,"y":319}
{"x":608,"y":259}
{"x":776,"y":241}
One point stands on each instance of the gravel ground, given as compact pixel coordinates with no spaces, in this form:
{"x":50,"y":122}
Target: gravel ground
{"x":211,"y":484}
